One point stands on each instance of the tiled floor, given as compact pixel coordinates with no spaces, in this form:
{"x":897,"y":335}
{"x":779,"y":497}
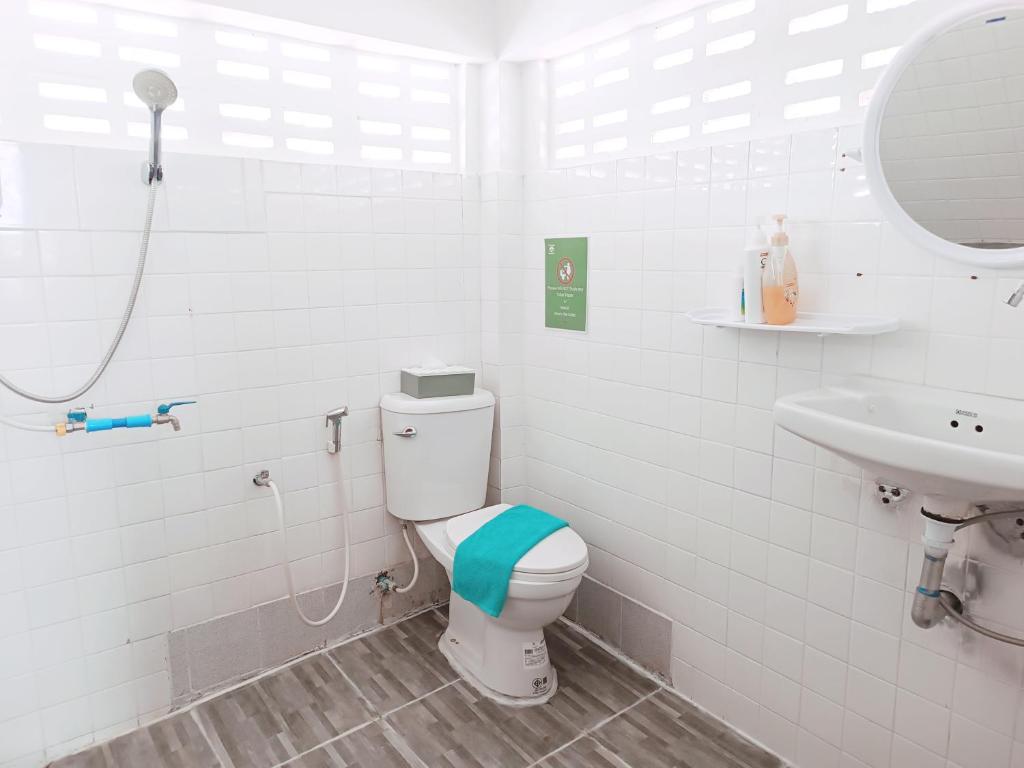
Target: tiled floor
{"x":390,"y":700}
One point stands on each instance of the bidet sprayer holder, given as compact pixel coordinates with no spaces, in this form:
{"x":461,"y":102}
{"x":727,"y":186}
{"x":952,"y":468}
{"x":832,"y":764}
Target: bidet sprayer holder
{"x":333,"y":423}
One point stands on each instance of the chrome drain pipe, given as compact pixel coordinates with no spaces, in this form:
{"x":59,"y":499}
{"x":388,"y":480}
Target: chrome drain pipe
{"x":927,"y":610}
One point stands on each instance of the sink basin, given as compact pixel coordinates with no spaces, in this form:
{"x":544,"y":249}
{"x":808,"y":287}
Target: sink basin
{"x":957,"y":447}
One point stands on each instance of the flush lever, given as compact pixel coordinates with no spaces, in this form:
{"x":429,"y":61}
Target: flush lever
{"x":333,"y":423}
{"x":407,"y":432}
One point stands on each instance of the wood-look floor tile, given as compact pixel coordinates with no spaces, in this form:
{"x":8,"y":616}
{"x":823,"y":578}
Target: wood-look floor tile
{"x":311,"y":708}
{"x":278,"y":717}
{"x":592,"y":684}
{"x":748,"y":753}
{"x":399,"y":664}
{"x":175,"y":742}
{"x":91,"y":758}
{"x":458,"y":728}
{"x":583,"y":753}
{"x":664,"y":731}
{"x":369,"y":747}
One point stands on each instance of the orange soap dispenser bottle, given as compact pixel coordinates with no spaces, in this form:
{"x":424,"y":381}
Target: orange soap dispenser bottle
{"x":780,"y":289}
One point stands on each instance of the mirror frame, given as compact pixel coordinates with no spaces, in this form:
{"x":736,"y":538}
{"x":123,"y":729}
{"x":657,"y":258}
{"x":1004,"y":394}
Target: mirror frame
{"x":891,"y":208}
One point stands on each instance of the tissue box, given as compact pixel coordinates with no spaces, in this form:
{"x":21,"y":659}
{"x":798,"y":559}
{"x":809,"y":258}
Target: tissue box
{"x":438,"y":382}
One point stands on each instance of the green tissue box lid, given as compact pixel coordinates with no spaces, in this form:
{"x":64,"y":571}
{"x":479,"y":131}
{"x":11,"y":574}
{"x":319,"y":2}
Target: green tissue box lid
{"x":438,"y":382}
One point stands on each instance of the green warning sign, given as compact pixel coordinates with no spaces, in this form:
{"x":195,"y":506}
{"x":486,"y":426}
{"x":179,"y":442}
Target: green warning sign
{"x":565,"y":283}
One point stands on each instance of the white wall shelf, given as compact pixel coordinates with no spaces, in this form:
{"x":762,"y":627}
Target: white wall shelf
{"x":820,"y":323}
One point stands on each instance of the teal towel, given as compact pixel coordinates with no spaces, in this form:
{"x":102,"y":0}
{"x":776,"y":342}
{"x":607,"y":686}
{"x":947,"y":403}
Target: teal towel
{"x":485,"y":560}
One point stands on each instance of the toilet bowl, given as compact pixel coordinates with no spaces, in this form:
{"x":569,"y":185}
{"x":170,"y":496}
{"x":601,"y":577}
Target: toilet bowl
{"x":436,"y":461}
{"x":506,"y":656}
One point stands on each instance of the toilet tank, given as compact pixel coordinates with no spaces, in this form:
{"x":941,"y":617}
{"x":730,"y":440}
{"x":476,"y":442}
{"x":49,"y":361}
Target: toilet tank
{"x":436,"y":453}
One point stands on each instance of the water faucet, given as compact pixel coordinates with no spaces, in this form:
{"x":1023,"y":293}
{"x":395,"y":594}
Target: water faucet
{"x":1017,"y":296}
{"x":163,"y":414}
{"x":78,"y":421}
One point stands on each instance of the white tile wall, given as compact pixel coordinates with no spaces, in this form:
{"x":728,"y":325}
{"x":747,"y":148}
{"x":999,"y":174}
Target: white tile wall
{"x":724,"y":71}
{"x":67,"y":68}
{"x":788,"y":584}
{"x":274,"y":292}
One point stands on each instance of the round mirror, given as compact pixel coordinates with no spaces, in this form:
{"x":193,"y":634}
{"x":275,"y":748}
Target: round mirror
{"x":944,"y":141}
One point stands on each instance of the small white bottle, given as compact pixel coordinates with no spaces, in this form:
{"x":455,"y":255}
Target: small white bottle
{"x":755,"y":256}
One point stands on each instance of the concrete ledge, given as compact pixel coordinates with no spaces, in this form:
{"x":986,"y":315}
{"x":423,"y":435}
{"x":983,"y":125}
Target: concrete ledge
{"x":217,"y":653}
{"x":642,"y":634}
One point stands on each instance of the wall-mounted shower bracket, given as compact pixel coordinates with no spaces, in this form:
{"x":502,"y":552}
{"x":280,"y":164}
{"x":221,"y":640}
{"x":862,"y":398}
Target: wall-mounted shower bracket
{"x":151,"y":173}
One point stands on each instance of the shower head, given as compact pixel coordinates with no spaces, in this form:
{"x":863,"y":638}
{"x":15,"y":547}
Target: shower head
{"x":157,"y":91}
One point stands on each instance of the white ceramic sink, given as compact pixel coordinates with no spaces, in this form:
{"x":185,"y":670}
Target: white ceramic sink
{"x":904,"y":435}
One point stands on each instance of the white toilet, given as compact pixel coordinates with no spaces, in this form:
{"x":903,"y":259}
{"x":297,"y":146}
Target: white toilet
{"x":436,"y":459}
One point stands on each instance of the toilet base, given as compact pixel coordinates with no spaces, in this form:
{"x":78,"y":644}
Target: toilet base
{"x":497,"y":656}
{"x":490,"y":693}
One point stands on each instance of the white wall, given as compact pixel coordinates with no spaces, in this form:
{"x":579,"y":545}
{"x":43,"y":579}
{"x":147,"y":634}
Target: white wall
{"x":741,"y":69}
{"x":788,"y":584}
{"x":274,"y":293}
{"x":67,"y":69}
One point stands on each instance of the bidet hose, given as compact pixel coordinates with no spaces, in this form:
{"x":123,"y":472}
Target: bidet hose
{"x":954,"y":614}
{"x":27,"y":427}
{"x":984,"y":517}
{"x":415,"y":562}
{"x":288,"y":569}
{"x":125,"y":318}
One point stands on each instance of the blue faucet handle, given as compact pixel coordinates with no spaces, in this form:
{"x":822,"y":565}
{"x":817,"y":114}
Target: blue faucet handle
{"x":77,"y":415}
{"x":166,"y":407}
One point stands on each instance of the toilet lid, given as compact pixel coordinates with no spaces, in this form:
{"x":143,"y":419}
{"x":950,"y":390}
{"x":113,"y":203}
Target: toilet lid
{"x":562,"y":551}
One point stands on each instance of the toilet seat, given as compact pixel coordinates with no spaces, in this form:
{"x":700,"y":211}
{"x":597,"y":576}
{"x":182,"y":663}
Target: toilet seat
{"x":561,"y":556}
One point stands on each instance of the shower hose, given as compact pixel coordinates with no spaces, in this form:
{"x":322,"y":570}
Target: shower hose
{"x":281,"y":527}
{"x":133,"y":296}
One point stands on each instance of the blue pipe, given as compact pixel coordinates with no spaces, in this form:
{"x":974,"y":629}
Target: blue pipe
{"x":127,"y":422}
{"x":78,"y":420}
